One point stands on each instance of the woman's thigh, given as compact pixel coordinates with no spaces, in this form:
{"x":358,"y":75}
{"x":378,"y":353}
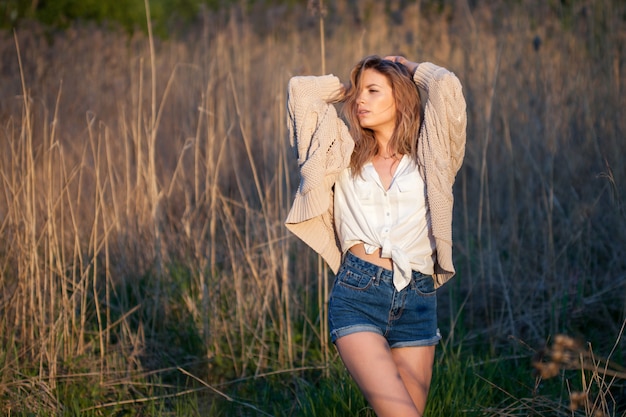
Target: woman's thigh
{"x":372,"y":364}
{"x":415,"y":365}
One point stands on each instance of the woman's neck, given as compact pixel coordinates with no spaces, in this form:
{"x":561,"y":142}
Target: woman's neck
{"x":383,"y":138}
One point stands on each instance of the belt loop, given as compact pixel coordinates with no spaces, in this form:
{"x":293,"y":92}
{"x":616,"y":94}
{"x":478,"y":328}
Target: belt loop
{"x":379,"y":272}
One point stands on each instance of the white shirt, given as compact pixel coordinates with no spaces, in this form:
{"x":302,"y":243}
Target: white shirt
{"x":396,"y":220}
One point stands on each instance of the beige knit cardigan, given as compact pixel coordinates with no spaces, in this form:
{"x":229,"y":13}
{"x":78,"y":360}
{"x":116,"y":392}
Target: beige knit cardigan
{"x":323,"y":147}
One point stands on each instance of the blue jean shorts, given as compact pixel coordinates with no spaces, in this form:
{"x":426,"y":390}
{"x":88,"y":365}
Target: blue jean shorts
{"x":364,"y":299}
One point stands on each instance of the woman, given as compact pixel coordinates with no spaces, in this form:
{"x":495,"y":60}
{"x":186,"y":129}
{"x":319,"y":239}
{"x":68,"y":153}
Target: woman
{"x":375,"y":200}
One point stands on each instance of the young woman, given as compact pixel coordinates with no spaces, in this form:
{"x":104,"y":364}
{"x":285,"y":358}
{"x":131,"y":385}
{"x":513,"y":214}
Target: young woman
{"x":375,"y":200}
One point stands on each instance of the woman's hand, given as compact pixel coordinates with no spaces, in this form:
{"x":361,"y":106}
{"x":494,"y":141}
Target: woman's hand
{"x":399,"y":59}
{"x":343,"y":90}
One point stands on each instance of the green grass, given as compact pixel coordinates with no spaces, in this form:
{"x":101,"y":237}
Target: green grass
{"x":469,"y":379}
{"x":464,"y":384}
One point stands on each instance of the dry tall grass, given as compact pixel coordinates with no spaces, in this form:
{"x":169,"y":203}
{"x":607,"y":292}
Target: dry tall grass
{"x":145,"y":182}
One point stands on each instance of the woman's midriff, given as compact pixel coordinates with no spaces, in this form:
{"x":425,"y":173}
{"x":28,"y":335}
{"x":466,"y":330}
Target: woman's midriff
{"x":359,"y":250}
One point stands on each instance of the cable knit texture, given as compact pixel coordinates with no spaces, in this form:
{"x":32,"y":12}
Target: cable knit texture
{"x":323,"y":147}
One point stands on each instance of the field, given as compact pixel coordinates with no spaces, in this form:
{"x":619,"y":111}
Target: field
{"x":144,"y":266}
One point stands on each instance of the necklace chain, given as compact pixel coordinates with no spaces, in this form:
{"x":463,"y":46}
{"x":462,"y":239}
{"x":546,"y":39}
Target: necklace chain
{"x":386,"y":158}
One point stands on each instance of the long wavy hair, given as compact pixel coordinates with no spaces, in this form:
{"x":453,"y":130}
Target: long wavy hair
{"x":408,"y":112}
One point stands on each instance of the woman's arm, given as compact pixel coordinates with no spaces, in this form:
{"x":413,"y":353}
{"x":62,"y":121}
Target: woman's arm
{"x":308,"y":99}
{"x":444,"y":107}
{"x":321,"y":139}
{"x":323,"y":145}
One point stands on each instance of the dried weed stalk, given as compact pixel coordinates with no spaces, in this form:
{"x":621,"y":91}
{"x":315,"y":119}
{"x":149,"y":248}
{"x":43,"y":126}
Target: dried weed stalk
{"x":567,"y":353}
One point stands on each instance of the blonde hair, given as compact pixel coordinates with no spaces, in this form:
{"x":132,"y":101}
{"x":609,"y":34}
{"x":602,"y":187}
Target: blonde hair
{"x":408,"y":112}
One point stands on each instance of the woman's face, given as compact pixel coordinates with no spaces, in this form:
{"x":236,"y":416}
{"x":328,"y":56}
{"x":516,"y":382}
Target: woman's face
{"x":376,"y":106}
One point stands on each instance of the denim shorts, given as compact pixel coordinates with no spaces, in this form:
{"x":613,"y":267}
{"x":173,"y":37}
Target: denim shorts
{"x":364,"y":299}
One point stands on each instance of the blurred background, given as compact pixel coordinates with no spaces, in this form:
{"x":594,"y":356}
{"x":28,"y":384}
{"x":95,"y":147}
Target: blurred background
{"x":146,"y":173}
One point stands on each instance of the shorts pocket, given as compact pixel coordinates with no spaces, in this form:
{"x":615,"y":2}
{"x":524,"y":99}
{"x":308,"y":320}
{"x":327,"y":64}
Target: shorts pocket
{"x":424,"y":286}
{"x":355,"y":280}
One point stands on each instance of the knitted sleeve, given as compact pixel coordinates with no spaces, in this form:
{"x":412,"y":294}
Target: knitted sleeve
{"x":323,"y":147}
{"x":446,"y":112}
{"x":320,"y":139}
{"x":441,"y":149}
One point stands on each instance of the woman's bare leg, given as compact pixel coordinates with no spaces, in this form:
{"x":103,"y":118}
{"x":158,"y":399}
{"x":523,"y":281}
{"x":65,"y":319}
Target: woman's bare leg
{"x":415,"y":365}
{"x":374,"y":367}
